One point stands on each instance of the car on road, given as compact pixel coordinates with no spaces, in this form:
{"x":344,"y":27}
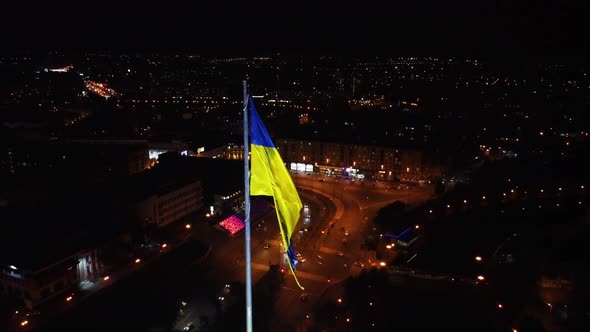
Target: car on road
{"x":266,"y":245}
{"x":188,"y":327}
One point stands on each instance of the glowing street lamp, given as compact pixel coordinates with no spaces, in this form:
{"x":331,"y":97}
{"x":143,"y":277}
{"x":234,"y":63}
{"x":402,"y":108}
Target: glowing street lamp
{"x":478,"y":258}
{"x":187,"y":226}
{"x":480,"y":278}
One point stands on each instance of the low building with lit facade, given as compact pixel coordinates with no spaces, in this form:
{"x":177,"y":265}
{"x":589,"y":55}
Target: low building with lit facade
{"x":221,"y":174}
{"x":170,"y":204}
{"x":48,"y":250}
{"x":164,"y":195}
{"x":35,"y":284}
{"x":375,"y":162}
{"x":381,"y":163}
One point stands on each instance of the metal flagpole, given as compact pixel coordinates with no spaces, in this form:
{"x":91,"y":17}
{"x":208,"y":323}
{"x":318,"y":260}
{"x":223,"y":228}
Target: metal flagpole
{"x":247,"y":210}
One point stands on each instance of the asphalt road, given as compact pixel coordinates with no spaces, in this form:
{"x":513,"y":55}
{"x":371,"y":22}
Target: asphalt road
{"x":329,"y":260}
{"x":153,"y":298}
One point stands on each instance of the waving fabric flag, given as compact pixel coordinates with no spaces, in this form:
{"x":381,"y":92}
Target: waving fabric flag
{"x":269,"y":177}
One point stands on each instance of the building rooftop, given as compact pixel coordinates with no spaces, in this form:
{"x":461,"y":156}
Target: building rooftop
{"x":38,"y":233}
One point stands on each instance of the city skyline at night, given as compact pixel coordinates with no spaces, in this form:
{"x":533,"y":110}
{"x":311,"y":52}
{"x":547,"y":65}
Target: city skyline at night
{"x":438,"y":151}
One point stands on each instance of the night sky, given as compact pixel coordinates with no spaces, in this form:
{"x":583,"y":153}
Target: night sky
{"x":425,"y":27}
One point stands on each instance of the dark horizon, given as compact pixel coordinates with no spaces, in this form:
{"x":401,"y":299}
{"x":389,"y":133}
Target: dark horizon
{"x":503,"y":31}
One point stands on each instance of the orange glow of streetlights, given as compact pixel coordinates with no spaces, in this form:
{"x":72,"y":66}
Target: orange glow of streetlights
{"x":187,"y":226}
{"x":24,"y":323}
{"x":138,"y":260}
{"x":69,"y":298}
{"x":388,"y":246}
{"x":417,"y":226}
{"x":382,"y":264}
{"x":339,"y":300}
{"x":480,"y":278}
{"x":478,"y":258}
{"x":500,"y":306}
{"x":164,"y":245}
{"x":106,"y":278}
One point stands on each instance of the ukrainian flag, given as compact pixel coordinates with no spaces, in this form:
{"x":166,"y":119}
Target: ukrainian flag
{"x":269,"y":177}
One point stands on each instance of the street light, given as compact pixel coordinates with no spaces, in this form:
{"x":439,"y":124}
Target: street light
{"x":478,"y":258}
